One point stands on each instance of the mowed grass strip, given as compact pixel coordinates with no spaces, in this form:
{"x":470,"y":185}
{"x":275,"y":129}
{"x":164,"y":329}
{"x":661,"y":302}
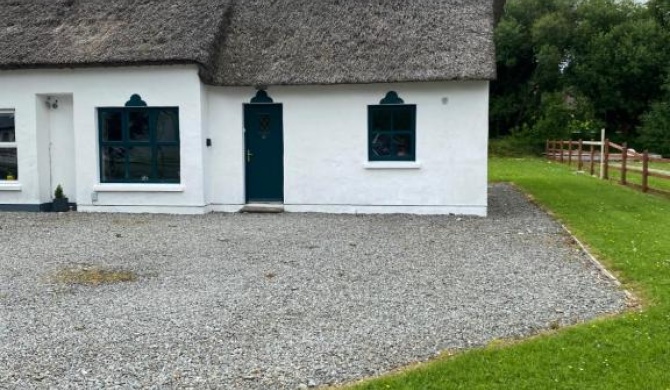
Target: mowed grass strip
{"x":632,"y":177}
{"x":630,"y":232}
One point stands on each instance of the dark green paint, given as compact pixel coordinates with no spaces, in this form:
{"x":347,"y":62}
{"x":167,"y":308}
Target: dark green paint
{"x":127,"y":144}
{"x":392,"y":98}
{"x":264,"y":152}
{"x":136,"y":101}
{"x":262,"y":97}
{"x":394,"y":122}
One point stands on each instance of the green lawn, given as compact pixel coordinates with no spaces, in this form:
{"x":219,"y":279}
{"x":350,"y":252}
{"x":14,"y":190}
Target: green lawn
{"x":630,"y":232}
{"x":661,"y":166}
{"x":633,"y":177}
{"x":654,"y":183}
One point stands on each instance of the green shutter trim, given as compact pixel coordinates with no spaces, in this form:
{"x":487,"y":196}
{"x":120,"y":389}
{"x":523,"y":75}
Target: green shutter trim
{"x":392,"y":98}
{"x":262,"y":97}
{"x":136,"y":101}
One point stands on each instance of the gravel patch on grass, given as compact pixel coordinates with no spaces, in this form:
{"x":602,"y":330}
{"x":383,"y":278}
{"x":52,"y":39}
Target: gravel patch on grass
{"x":251,"y":301}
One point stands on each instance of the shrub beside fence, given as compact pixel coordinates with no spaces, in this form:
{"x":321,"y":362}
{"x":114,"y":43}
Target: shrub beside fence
{"x":611,"y":161}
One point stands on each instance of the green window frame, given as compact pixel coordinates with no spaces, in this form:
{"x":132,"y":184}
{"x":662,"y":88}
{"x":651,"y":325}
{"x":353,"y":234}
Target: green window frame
{"x":139,"y":144}
{"x":392,"y":130}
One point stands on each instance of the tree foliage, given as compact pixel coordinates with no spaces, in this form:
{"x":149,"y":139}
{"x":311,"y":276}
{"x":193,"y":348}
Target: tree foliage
{"x":575,"y":65}
{"x":655,"y":129}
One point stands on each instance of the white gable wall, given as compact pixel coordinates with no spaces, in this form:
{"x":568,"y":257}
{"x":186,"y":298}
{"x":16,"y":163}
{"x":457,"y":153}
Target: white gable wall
{"x":325,"y":149}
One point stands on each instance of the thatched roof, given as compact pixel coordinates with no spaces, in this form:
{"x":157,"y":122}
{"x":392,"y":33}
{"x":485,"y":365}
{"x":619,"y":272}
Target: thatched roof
{"x":258,"y":42}
{"x":47,"y":33}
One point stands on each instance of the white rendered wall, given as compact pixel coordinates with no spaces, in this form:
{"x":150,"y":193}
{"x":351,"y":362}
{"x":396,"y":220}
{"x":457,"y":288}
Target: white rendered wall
{"x":24,"y":92}
{"x":325,"y":141}
{"x":325,"y":149}
{"x":60,"y":133}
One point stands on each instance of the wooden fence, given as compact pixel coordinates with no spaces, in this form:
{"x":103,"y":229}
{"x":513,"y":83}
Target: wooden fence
{"x":594,"y":158}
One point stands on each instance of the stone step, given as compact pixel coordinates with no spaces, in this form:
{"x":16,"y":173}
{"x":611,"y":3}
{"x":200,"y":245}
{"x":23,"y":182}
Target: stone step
{"x":263,"y":208}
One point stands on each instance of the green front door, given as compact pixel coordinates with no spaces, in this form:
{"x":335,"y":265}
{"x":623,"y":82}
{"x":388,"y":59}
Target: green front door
{"x":264,"y":152}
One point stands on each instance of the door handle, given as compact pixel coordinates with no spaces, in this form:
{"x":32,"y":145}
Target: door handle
{"x":249,"y":155}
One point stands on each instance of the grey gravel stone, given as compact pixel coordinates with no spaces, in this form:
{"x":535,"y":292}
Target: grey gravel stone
{"x":250,"y":301}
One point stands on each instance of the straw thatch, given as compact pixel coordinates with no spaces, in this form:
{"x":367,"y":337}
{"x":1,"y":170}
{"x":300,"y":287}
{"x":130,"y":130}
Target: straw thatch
{"x":258,"y":42}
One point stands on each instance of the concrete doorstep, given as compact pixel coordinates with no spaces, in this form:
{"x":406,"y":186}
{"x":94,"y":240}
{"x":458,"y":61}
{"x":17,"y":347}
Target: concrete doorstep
{"x":263,"y":208}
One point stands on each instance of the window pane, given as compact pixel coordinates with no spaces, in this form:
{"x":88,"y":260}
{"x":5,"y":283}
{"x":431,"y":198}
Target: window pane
{"x":138,"y":125}
{"x":145,"y":145}
{"x":111,"y":126}
{"x":403,"y":118}
{"x":8,"y":164}
{"x":381,"y":119}
{"x":113,"y":164}
{"x":402,"y":145}
{"x":7,"y":130}
{"x":167,"y":161}
{"x":139,"y":163}
{"x":381,"y":145}
{"x":167,"y":125}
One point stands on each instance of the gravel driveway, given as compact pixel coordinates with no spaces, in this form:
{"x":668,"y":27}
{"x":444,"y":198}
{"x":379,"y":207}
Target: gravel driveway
{"x":273,"y":301}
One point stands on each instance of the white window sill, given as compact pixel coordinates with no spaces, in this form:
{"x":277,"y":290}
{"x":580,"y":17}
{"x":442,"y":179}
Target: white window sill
{"x":9,"y":186}
{"x":392,"y":165}
{"x":122,"y":187}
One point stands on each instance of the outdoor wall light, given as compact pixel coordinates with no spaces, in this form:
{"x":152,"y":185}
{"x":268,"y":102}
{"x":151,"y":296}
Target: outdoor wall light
{"x":52,"y":102}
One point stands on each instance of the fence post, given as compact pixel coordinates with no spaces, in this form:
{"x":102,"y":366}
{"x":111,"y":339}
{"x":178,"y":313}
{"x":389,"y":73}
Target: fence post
{"x":580,"y":161}
{"x":562,"y":158}
{"x":554,"y":156}
{"x":593,"y":157}
{"x":570,"y":152}
{"x":602,"y":153}
{"x":624,"y":160}
{"x":606,"y":161}
{"x":546,"y":149}
{"x":645,"y":171}
{"x":553,"y":150}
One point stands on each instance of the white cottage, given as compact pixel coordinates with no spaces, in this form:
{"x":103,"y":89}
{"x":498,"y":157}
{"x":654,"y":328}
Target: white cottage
{"x":191,"y":106}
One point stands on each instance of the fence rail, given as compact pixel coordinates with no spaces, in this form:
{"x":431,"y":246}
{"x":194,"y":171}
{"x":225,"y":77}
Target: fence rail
{"x":605,"y":158}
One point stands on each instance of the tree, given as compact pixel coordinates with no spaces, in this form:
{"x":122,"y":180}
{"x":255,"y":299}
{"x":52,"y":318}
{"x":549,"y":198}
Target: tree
{"x":578,"y":63}
{"x":660,"y":9}
{"x":655,"y":129}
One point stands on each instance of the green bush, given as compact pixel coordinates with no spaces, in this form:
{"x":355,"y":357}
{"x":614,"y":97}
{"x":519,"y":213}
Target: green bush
{"x":518,"y":144}
{"x":58,"y":193}
{"x":655,"y":129}
{"x":563,"y":115}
